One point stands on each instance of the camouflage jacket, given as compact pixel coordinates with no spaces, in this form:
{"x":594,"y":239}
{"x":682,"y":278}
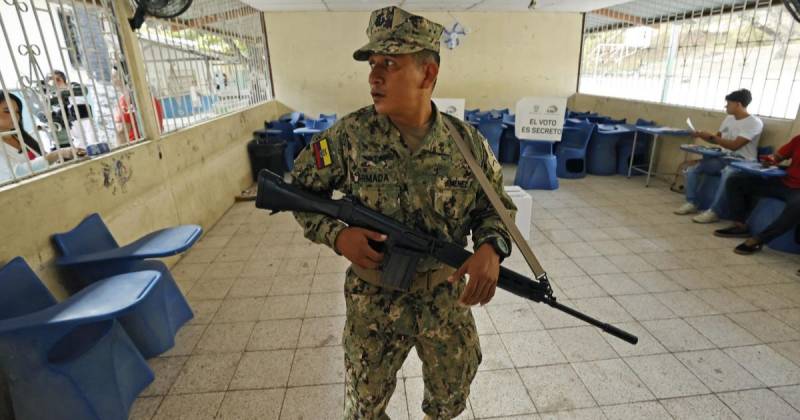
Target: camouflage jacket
{"x":432,"y":190}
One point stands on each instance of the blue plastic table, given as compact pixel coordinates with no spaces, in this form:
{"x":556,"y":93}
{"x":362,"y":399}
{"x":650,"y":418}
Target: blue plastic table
{"x":656,"y":132}
{"x":702,"y":150}
{"x":755,"y":168}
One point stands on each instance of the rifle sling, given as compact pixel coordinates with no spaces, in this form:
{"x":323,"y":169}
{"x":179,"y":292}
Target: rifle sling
{"x":501,"y":210}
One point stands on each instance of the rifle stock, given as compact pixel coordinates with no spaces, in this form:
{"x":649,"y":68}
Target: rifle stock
{"x":276,"y":195}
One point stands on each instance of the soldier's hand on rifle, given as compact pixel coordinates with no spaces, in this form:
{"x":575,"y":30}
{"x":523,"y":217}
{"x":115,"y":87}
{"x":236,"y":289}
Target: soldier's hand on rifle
{"x":483,"y":268}
{"x":353,"y":244}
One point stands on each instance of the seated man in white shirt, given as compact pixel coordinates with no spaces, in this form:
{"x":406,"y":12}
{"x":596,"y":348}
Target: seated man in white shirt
{"x":740,"y":133}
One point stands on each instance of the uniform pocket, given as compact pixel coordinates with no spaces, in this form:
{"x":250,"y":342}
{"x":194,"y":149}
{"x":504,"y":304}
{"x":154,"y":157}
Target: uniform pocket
{"x":384,"y":198}
{"x":452,"y":198}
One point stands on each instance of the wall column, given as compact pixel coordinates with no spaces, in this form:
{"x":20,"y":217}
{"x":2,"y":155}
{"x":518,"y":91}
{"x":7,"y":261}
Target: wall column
{"x":138,"y":74}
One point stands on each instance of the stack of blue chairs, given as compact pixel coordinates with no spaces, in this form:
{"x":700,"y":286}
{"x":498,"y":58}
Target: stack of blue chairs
{"x":509,"y":143}
{"x":84,"y":358}
{"x":313,"y":127}
{"x":581,"y":115}
{"x":90,"y":253}
{"x":491,"y":129}
{"x":71,"y":360}
{"x":293,"y":118}
{"x":571,"y":151}
{"x":601,"y":154}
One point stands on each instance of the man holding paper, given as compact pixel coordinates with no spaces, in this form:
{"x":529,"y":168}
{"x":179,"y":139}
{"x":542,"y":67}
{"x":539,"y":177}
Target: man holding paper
{"x":740,"y":133}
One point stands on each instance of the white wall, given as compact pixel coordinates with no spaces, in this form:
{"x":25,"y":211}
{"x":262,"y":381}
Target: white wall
{"x":504,"y":57}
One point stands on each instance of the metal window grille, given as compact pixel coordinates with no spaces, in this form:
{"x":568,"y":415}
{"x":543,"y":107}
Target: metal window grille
{"x":693,"y":53}
{"x":209,"y":61}
{"x":78,"y":38}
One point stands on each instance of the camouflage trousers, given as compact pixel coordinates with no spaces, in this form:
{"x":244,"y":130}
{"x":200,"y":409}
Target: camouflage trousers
{"x":380,"y":330}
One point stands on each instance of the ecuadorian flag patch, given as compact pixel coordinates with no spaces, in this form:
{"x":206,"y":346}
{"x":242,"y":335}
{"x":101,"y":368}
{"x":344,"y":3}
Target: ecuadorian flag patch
{"x":322,"y":154}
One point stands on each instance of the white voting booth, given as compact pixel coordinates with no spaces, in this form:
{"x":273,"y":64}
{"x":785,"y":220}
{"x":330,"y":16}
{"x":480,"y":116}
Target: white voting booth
{"x":540,"y":118}
{"x":537,"y":118}
{"x":524,"y":204}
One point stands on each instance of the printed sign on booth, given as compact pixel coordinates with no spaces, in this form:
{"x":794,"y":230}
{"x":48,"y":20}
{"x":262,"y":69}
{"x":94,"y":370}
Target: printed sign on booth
{"x":540,"y":118}
{"x":451,"y":106}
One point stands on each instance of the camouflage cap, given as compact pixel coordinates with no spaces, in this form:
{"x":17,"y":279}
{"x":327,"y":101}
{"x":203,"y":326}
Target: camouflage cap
{"x":392,"y":30}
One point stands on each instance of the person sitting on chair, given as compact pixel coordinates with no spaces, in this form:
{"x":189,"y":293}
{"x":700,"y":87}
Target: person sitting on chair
{"x":739,"y":132}
{"x":22,"y":152}
{"x":740,"y":188}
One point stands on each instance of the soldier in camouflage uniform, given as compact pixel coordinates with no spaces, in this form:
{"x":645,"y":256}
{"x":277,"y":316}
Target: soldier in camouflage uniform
{"x":398,"y":157}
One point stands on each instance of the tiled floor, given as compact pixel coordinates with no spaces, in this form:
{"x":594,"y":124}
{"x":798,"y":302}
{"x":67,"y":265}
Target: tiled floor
{"x":719,"y":333}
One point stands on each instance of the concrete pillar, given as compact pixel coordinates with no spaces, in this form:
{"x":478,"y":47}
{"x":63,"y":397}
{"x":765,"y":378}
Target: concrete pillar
{"x":135,"y":61}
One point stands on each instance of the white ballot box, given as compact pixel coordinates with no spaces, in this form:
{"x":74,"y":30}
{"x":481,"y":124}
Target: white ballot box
{"x":524,"y":204}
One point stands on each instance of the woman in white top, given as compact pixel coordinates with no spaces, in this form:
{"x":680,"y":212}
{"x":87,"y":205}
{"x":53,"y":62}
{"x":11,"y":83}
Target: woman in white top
{"x":16,"y":159}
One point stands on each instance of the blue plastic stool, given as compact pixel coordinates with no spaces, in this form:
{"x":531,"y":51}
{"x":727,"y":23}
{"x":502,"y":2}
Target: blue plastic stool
{"x":765,"y":212}
{"x":537,"y":166}
{"x":71,"y":360}
{"x":90,"y":253}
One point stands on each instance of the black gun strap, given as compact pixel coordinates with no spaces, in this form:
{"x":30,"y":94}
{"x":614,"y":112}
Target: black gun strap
{"x":501,"y":210}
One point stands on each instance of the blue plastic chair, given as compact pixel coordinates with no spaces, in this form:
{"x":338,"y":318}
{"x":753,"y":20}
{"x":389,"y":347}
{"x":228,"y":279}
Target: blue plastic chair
{"x":71,"y":360}
{"x":582,"y":115}
{"x":312,"y":128}
{"x":571,"y":151}
{"x":327,"y":117}
{"x":492,"y":130}
{"x":498,"y":113}
{"x":537,"y":166}
{"x":292,"y":118}
{"x":284,"y":131}
{"x":765,"y":212}
{"x":90,"y":253}
{"x":640,"y":156}
{"x":307,"y":133}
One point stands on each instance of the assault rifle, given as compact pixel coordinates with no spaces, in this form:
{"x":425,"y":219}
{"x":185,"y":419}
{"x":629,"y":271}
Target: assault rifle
{"x":404,"y":246}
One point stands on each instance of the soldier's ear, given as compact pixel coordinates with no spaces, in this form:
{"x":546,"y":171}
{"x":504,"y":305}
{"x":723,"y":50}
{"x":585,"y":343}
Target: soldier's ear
{"x":431,"y":70}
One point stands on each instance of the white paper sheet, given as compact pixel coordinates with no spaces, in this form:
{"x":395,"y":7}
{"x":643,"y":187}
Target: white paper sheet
{"x":689,"y":123}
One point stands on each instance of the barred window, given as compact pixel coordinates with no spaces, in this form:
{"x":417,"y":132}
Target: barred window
{"x":209,"y":61}
{"x":57,"y":59}
{"x":693,"y":53}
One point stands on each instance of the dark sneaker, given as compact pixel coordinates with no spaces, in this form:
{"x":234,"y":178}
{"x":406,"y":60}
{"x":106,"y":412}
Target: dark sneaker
{"x":745,"y":249}
{"x":732,"y":232}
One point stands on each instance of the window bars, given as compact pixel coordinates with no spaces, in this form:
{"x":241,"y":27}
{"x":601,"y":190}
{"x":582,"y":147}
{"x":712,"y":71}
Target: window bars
{"x":209,"y":61}
{"x":694,"y":52}
{"x":58,"y":57}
